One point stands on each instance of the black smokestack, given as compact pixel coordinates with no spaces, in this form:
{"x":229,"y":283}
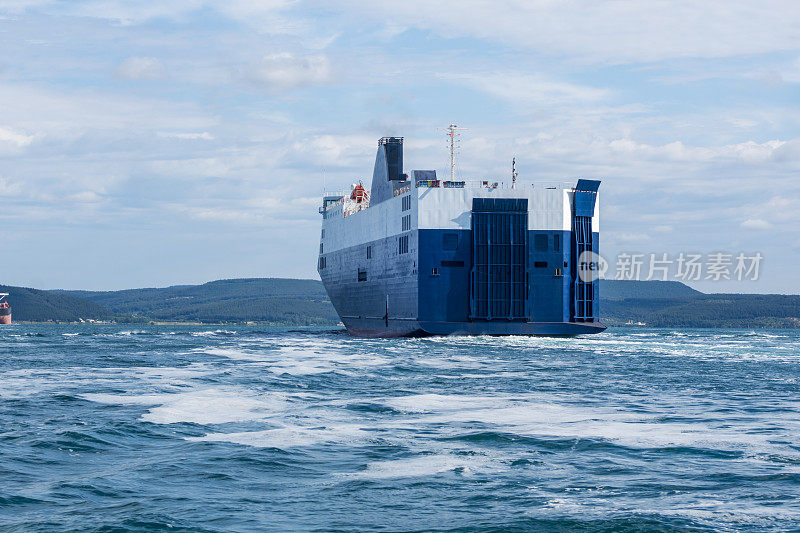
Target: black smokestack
{"x":393,"y":147}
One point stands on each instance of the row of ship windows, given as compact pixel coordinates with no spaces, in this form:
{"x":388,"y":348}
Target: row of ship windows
{"x":402,"y":247}
{"x":541,"y":242}
{"x":362,"y":272}
{"x":449,"y":242}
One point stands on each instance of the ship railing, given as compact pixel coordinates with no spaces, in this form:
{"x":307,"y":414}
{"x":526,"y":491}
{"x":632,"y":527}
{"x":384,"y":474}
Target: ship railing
{"x":343,"y":206}
{"x":493,"y":184}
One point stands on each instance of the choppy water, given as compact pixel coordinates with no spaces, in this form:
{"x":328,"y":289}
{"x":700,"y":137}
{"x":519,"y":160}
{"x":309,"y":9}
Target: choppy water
{"x":250,"y":429}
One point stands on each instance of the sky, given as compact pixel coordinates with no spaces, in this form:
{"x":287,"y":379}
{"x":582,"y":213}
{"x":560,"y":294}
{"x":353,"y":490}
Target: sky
{"x":154,"y":143}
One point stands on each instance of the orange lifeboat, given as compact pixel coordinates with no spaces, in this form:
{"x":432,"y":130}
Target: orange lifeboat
{"x":358,"y":194}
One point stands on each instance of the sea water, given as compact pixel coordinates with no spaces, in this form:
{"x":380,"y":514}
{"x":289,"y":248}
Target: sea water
{"x":198,"y":428}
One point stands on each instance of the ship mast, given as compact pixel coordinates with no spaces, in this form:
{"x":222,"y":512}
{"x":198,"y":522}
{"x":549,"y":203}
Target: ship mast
{"x":514,"y":173}
{"x":452,"y":132}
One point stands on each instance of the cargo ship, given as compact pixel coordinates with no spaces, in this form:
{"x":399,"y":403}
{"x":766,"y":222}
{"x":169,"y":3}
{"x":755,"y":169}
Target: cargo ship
{"x":5,"y":309}
{"x":414,"y":255}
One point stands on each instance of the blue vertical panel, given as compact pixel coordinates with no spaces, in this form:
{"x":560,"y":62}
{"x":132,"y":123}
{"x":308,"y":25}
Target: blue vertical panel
{"x":584,"y":203}
{"x":499,"y":277}
{"x":549,"y":297}
{"x":584,"y":294}
{"x":444,"y":296}
{"x":596,"y":305}
{"x":583,"y":308}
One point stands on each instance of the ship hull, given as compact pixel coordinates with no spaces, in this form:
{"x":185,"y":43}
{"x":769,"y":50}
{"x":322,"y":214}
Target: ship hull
{"x":5,"y":318}
{"x":399,"y":298}
{"x":378,"y":328}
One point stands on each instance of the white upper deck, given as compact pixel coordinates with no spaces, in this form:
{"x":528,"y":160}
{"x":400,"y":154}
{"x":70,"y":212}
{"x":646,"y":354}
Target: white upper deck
{"x":449,"y":207}
{"x":443,"y":205}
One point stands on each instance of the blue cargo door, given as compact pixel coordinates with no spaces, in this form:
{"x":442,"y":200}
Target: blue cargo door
{"x":583,"y":307}
{"x":499,"y":277}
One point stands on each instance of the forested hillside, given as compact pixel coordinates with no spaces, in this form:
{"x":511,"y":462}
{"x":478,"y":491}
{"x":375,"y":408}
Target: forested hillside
{"x":304,"y":302}
{"x":34,"y":305}
{"x":622,"y":289}
{"x":672,"y":304}
{"x":280,"y":301}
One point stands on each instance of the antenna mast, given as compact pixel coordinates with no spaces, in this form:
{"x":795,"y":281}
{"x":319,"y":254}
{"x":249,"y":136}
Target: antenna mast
{"x":452,"y":132}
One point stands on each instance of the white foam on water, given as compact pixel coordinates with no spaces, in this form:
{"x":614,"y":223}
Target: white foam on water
{"x":202,"y":406}
{"x":431,"y":465}
{"x":210,"y":333}
{"x":420,"y":403}
{"x":301,"y":362}
{"x":453,"y":361}
{"x":28,"y":382}
{"x":230,"y":353}
{"x":123,"y":399}
{"x":22,"y":383}
{"x":302,"y":359}
{"x":292,"y":436}
{"x":743,"y":514}
{"x":535,"y":416}
{"x":318,"y":358}
{"x":488,"y":375}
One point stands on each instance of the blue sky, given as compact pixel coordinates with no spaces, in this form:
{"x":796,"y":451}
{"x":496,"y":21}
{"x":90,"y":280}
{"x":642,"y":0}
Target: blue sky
{"x":156,"y":143}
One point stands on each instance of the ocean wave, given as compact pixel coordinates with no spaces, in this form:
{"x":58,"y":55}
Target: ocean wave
{"x":641,"y":429}
{"x":204,"y":406}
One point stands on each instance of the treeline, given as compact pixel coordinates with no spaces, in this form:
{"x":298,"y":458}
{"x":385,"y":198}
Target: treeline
{"x":34,"y":305}
{"x":707,"y":311}
{"x":271,"y":300}
{"x":304,"y":302}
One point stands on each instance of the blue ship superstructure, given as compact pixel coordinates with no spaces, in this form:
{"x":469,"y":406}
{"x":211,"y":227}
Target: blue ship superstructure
{"x":414,"y":255}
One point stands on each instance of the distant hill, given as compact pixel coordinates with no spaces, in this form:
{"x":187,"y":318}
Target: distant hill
{"x":611,"y":289}
{"x":34,"y":305}
{"x":304,"y":302}
{"x":673,"y":304}
{"x":274,"y":300}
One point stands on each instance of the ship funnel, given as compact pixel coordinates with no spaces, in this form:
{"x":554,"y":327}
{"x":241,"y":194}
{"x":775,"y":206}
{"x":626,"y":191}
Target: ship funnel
{"x":393,"y":149}
{"x":388,"y":169}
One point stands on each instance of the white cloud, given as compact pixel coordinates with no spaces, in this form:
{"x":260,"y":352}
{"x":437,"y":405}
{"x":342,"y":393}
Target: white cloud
{"x":176,"y":135}
{"x":529,"y":90}
{"x":748,"y":151}
{"x":19,"y":6}
{"x":614,"y":32}
{"x":60,"y":112}
{"x":329,"y":151}
{"x":10,"y":188}
{"x":141,"y":68}
{"x":15,"y":138}
{"x":624,"y":238}
{"x":756,"y":223}
{"x":286,"y":70}
{"x":129,"y":13}
{"x":84,"y":197}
